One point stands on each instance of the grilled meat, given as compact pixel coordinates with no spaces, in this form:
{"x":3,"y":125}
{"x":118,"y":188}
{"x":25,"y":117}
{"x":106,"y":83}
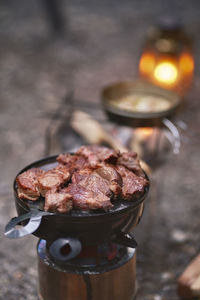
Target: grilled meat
{"x":73,"y":162}
{"x":105,"y":179}
{"x":28,"y":186}
{"x":90,"y":179}
{"x":88,"y":156}
{"x":86,"y":199}
{"x":58,"y":201}
{"x":66,"y":159}
{"x":133,"y":185}
{"x":96,"y":154}
{"x":56,"y":177}
{"x":112,"y":177}
{"x":131,"y":162}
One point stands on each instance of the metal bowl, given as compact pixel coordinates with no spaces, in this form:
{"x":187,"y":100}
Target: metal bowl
{"x":122,"y":89}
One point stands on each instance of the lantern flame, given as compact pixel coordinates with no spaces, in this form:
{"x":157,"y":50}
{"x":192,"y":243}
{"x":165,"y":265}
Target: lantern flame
{"x":166,"y":72}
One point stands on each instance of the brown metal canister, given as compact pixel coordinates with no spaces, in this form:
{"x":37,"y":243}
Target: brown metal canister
{"x":118,"y":283}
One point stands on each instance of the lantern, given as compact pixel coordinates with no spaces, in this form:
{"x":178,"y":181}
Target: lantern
{"x":167,"y":59}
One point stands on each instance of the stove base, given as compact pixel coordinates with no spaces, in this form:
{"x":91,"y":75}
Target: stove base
{"x":118,"y":282}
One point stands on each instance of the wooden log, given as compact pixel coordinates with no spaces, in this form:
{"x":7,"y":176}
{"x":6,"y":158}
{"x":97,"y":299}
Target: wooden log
{"x":189,"y":281}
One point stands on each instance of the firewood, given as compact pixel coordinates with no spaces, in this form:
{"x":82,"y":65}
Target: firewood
{"x":189,"y":281}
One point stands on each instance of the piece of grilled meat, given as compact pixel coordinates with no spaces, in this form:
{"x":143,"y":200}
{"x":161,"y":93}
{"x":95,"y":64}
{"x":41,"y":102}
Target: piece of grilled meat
{"x":27,"y":183}
{"x":53,"y":178}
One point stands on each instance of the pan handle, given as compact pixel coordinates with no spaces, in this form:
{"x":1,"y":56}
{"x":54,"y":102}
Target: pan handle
{"x":173,"y":129}
{"x":34,"y":217}
{"x":64,"y":249}
{"x":125,"y":239}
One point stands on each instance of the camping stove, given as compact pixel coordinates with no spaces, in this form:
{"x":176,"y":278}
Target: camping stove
{"x":105,"y":271}
{"x":81,"y":255}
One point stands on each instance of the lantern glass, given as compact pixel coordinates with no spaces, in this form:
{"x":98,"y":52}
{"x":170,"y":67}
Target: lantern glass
{"x":167,"y":59}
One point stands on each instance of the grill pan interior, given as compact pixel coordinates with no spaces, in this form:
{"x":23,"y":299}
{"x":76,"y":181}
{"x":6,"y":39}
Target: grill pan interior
{"x":119,"y":206}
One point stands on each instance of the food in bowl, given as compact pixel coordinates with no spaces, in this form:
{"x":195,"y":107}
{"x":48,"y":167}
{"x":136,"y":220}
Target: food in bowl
{"x":141,"y":103}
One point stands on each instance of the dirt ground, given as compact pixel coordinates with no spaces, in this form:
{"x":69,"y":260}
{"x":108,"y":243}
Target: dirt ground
{"x":100,"y":43}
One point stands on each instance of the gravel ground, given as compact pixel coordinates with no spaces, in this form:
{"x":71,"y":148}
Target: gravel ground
{"x":101,"y":43}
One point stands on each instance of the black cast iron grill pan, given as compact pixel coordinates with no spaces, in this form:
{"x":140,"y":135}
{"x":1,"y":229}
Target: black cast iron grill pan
{"x":77,"y":227}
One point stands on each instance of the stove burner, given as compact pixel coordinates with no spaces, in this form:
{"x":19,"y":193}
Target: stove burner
{"x":93,"y":259}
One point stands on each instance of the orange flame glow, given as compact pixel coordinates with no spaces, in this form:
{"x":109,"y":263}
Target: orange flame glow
{"x":147,"y":63}
{"x":186,"y":63}
{"x":145,"y":131}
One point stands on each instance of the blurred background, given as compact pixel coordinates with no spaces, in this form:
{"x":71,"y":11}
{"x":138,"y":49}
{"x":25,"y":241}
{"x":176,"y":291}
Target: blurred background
{"x":59,"y":54}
